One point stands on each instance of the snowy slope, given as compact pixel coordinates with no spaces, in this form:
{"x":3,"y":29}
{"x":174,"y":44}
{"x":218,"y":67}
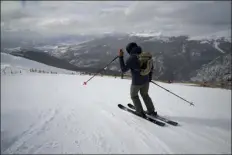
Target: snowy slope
{"x":15,"y":64}
{"x":45,"y":113}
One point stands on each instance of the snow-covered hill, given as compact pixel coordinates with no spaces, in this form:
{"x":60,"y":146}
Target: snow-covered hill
{"x":14,"y":64}
{"x":52,"y":113}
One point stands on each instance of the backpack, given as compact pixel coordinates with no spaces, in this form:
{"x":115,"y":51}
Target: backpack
{"x":146,"y":63}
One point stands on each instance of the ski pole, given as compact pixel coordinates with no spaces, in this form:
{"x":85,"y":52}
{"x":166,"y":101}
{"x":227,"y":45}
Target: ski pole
{"x":191,"y":103}
{"x":85,"y":83}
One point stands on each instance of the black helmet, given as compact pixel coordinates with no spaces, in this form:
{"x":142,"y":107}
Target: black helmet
{"x":130,"y":46}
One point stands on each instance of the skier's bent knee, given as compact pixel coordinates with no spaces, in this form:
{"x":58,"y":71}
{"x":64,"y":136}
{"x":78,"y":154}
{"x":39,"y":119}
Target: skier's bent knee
{"x":134,"y":97}
{"x":144,"y":94}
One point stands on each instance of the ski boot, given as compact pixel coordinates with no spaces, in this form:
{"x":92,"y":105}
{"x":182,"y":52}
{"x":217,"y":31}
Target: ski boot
{"x":154,"y":113}
{"x":141,"y":114}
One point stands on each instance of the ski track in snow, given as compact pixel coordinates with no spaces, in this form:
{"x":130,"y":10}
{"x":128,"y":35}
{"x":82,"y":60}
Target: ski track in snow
{"x":35,"y":130}
{"x":101,"y":127}
{"x":43,"y":113}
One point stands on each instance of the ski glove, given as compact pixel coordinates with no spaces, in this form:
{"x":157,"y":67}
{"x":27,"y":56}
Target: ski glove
{"x":120,"y":53}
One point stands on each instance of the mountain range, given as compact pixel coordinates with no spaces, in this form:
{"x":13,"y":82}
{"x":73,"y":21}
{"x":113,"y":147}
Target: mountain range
{"x":176,"y":58}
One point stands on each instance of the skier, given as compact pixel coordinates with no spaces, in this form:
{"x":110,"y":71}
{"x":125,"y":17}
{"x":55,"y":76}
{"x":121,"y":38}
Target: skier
{"x":141,"y":76}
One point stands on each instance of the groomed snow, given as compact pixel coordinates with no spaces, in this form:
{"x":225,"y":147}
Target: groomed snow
{"x":55,"y":113}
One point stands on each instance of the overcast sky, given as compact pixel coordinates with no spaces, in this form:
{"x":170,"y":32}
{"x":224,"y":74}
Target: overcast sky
{"x":96,"y":17}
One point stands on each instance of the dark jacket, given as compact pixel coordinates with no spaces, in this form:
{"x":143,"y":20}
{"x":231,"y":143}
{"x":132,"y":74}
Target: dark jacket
{"x":132,"y":63}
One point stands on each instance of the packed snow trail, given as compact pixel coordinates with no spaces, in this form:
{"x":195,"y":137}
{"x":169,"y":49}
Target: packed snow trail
{"x":57,"y":114}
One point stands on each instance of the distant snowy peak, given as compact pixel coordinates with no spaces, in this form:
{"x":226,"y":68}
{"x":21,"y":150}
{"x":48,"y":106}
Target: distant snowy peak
{"x":208,"y":39}
{"x":146,"y":34}
{"x":205,"y":42}
{"x":215,"y":43}
{"x":46,"y":47}
{"x":159,"y":36}
{"x":155,"y":36}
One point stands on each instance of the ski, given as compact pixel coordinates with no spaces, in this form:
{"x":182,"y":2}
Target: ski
{"x":159,"y":123}
{"x":157,"y":117}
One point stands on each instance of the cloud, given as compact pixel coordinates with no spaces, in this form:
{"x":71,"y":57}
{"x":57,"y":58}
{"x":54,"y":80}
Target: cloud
{"x":96,"y":17}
